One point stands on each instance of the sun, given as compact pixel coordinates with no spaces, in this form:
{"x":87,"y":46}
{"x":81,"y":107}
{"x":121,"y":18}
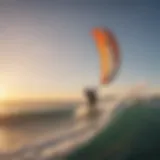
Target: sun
{"x":3,"y":94}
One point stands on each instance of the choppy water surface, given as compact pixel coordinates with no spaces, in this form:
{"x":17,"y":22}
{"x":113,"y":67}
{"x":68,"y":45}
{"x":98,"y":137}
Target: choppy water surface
{"x":25,"y":132}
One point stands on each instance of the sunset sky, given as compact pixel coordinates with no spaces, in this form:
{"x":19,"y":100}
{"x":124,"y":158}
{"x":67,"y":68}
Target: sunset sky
{"x":46,"y":50}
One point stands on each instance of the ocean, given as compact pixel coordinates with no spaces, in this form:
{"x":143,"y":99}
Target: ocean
{"x":44,"y":130}
{"x":28,"y":125}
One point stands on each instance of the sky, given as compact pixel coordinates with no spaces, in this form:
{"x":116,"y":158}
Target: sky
{"x":46,"y":49}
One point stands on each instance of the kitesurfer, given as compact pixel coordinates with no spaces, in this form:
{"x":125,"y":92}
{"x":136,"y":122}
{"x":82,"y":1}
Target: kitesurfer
{"x":91,"y":96}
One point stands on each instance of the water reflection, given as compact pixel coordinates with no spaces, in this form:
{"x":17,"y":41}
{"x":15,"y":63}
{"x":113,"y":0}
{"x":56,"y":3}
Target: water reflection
{"x":31,"y":130}
{"x":24,"y":132}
